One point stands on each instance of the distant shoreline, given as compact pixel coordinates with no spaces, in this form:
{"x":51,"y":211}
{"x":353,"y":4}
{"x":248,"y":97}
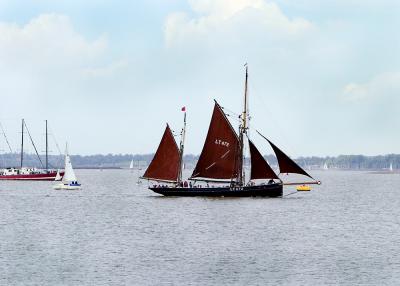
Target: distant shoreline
{"x":380,"y":163}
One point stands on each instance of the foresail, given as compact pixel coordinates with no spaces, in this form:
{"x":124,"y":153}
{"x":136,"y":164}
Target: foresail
{"x":286,"y":165}
{"x":218,"y":159}
{"x":259,"y":167}
{"x":165,"y":163}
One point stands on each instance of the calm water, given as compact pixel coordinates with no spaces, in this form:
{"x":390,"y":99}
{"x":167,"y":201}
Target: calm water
{"x":345,"y":232}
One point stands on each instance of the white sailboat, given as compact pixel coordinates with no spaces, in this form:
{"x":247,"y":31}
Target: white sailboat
{"x":391,"y":167}
{"x":325,"y":167}
{"x":131,"y":165}
{"x":69,"y":181}
{"x":58,"y":176}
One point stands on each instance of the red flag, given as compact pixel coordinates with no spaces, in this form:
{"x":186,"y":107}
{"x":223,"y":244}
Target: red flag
{"x":183,"y":108}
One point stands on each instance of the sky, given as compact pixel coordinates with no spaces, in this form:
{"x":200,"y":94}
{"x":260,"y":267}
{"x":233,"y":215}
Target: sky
{"x":324,"y":76}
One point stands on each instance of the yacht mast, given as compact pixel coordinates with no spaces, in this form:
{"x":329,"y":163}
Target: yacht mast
{"x":22,"y":143}
{"x":47,"y":149}
{"x":181,"y":146}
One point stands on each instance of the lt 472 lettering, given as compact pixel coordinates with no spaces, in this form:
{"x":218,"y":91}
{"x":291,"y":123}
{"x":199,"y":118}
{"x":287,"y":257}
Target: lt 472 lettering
{"x":221,"y":142}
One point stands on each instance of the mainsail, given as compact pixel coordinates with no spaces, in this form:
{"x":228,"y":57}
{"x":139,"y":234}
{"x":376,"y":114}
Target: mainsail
{"x":286,"y":165}
{"x":69,"y":175}
{"x":165,"y":164}
{"x":218,"y":159}
{"x":259,"y":167}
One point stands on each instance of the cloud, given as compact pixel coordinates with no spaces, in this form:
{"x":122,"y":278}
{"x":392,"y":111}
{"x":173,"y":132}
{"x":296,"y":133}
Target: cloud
{"x":230,"y":19}
{"x":385,"y":85}
{"x":104,"y":71}
{"x":47,"y":42}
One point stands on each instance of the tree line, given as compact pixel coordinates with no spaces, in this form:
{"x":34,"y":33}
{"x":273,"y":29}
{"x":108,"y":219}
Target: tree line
{"x":349,"y":162}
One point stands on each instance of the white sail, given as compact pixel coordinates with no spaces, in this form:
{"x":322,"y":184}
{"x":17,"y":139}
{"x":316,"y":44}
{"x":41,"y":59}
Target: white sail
{"x":391,"y":167}
{"x":325,"y":166}
{"x":58,"y":176}
{"x":131,"y":165}
{"x":69,"y":175}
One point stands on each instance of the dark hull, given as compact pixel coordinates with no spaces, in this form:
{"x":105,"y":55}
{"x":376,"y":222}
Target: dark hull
{"x":272,"y":190}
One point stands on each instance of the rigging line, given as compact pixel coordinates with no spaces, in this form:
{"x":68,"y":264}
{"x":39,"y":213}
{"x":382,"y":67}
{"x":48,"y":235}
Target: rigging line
{"x":273,"y":119}
{"x":55,"y":141}
{"x":37,"y":153}
{"x":301,"y":158}
{"x":290,"y":194}
{"x":229,"y":111}
{"x":5,"y":137}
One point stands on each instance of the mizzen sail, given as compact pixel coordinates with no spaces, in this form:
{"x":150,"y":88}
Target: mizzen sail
{"x":165,"y":163}
{"x":218,"y":159}
{"x":259,"y":167}
{"x":286,"y":165}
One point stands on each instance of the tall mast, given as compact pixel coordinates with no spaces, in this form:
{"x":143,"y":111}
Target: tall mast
{"x":22,"y":143}
{"x":242,"y":131}
{"x":181,"y":147}
{"x":47,"y":149}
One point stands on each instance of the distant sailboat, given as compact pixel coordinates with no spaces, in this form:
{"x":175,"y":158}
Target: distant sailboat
{"x":69,"y":180}
{"x":325,"y":167}
{"x":391,"y":167}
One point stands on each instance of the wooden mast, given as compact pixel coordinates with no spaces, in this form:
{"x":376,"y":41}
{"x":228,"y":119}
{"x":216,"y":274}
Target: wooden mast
{"x":181,"y":148}
{"x":22,"y":143}
{"x":242,"y":131}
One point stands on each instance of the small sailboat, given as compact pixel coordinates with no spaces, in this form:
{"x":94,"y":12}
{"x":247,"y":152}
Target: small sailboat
{"x":131,"y":165}
{"x":221,"y":162}
{"x":69,"y":180}
{"x":58,"y":176}
{"x":391,"y":167}
{"x":325,"y":167}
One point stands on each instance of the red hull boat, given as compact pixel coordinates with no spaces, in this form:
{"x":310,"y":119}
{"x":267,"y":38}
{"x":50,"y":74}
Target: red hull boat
{"x":28,"y":173}
{"x":45,"y":176}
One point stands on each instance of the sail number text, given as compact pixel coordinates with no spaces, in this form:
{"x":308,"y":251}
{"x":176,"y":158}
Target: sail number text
{"x":221,"y":142}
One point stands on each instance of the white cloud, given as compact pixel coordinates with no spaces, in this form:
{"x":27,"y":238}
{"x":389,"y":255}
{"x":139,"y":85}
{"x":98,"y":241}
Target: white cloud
{"x":383,"y":85}
{"x":104,"y":71}
{"x":46,"y":42}
{"x":229,"y":18}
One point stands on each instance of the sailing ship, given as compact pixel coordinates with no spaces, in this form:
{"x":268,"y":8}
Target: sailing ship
{"x":30,"y":174}
{"x":131,"y":165}
{"x":221,"y":162}
{"x":69,"y":180}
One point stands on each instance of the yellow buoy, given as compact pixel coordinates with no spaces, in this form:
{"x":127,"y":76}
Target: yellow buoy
{"x":303,"y":188}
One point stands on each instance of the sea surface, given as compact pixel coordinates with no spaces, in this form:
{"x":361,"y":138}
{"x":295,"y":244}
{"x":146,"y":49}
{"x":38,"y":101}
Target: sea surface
{"x":113,"y":232}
